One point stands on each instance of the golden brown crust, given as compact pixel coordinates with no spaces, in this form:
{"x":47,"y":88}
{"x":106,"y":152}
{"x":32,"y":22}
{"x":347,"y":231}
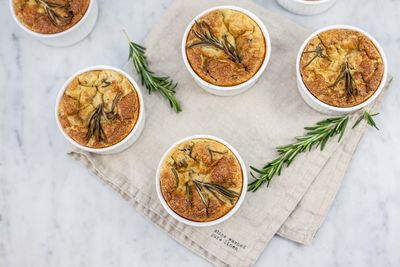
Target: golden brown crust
{"x":207,"y":161}
{"x":339,"y":46}
{"x":214,"y":65}
{"x":88,"y":91}
{"x":33,"y":15}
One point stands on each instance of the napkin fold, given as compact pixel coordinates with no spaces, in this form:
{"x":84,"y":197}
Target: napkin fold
{"x":268,"y":115}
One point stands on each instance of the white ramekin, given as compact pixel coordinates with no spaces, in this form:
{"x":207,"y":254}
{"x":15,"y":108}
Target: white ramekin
{"x":223,"y":218}
{"x":68,"y":37}
{"x":128,"y":140}
{"x":303,"y":7}
{"x":227,"y":90}
{"x":322,"y":107}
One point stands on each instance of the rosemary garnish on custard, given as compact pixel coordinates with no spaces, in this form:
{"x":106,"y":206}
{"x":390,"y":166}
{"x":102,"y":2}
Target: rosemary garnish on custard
{"x":164,"y":85}
{"x":95,"y":127}
{"x":203,"y":189}
{"x":219,"y":190}
{"x":176,"y":176}
{"x":349,"y":82}
{"x":203,"y":32}
{"x":56,"y":12}
{"x":316,"y":136}
{"x":221,"y":193}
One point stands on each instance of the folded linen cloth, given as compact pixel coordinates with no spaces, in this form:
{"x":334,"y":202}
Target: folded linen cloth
{"x":268,"y":115}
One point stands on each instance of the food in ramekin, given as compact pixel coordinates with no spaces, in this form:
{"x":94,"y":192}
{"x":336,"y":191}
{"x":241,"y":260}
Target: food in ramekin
{"x":341,"y":67}
{"x":201,"y":179}
{"x":50,"y":16}
{"x":226,"y":49}
{"x":306,"y":7}
{"x":99,"y":108}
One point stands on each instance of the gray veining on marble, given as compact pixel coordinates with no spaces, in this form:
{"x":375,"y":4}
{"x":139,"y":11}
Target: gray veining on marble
{"x":54,"y":213}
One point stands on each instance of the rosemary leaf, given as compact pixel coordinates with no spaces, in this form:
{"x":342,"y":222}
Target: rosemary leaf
{"x":203,"y":198}
{"x":106,"y":83}
{"x":315,"y":136}
{"x":163,"y":85}
{"x":188,"y":194}
{"x":176,"y":176}
{"x":318,"y":52}
{"x":221,"y":201}
{"x":369,"y":118}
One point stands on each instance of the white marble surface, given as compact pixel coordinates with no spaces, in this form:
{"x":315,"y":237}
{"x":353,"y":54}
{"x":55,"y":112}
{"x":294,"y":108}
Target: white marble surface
{"x":54,"y":213}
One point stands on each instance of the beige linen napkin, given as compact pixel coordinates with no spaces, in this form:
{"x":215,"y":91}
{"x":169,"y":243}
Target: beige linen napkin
{"x":269,"y":114}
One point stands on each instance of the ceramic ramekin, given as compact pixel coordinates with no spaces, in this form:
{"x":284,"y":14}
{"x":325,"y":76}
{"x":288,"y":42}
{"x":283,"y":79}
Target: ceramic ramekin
{"x":219,"y":220}
{"x":227,"y":90}
{"x":322,"y":107}
{"x":303,"y":7}
{"x":128,"y":140}
{"x":68,"y":37}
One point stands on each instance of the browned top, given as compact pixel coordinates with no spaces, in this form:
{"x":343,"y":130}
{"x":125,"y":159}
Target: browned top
{"x":93,"y":90}
{"x":50,"y":16}
{"x":200,"y":162}
{"x":323,"y":73}
{"x":213,"y":64}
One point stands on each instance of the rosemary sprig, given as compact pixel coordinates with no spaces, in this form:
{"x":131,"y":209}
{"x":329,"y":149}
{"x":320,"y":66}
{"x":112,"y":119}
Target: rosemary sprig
{"x":54,"y":17}
{"x":95,"y":127}
{"x":203,"y":32}
{"x":219,"y":190}
{"x":347,"y":76}
{"x":369,"y":118}
{"x":221,"y":193}
{"x":318,"y":52}
{"x":164,"y":85}
{"x":316,"y":136}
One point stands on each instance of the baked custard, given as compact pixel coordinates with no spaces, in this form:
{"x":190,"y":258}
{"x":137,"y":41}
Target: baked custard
{"x":341,"y":67}
{"x":50,"y":16}
{"x":99,"y":108}
{"x":201,"y":180}
{"x":225,"y":47}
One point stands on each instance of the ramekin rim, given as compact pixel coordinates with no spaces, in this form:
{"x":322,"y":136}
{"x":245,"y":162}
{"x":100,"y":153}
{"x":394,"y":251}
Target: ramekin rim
{"x":50,"y":35}
{"x":224,"y":217}
{"x":330,"y":107}
{"x":315,"y":3}
{"x":132,"y":132}
{"x":259,"y":72}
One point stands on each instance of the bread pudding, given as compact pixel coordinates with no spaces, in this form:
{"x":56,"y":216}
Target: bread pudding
{"x":201,"y":179}
{"x":50,"y":16}
{"x":225,"y":47}
{"x":341,"y":67}
{"x":99,"y":108}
